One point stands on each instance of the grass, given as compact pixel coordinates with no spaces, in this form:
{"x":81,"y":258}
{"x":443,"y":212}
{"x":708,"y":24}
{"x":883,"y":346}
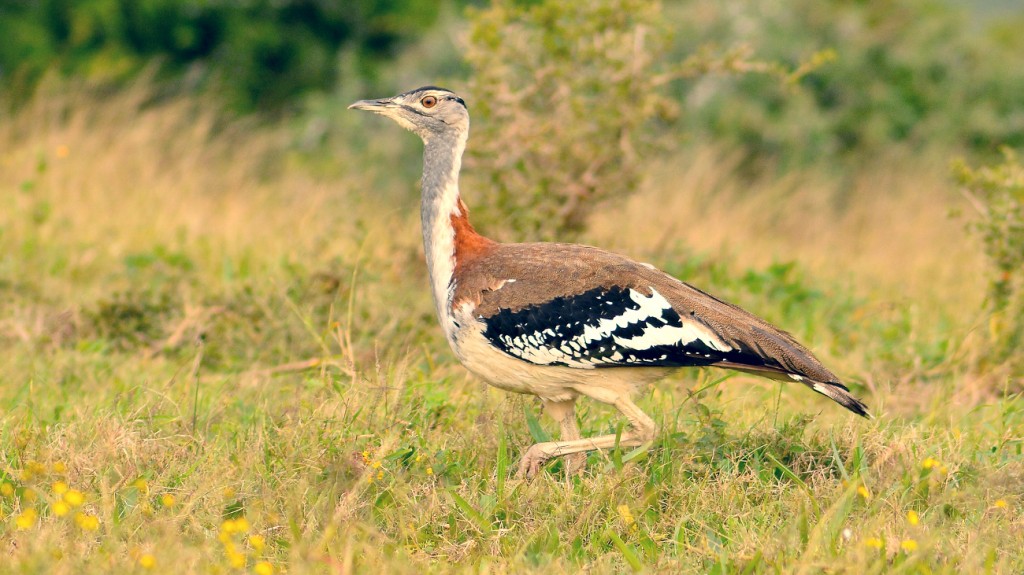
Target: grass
{"x":215,"y":358}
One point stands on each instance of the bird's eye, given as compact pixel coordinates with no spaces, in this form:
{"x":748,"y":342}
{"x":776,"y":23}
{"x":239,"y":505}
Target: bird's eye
{"x":428,"y":101}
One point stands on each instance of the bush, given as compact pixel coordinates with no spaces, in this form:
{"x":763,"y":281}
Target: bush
{"x":258,"y":54}
{"x":913,"y":74}
{"x":997,"y":194}
{"x":569,"y":100}
{"x":562,"y":93}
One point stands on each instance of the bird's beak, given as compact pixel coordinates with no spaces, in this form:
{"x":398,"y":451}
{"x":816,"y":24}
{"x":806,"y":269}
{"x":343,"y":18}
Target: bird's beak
{"x":377,"y":106}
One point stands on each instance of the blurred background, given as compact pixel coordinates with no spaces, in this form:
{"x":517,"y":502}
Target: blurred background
{"x":757,"y":132}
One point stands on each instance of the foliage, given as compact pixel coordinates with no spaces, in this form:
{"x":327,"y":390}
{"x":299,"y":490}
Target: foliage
{"x":258,"y":54}
{"x":570,"y":99}
{"x":997,"y":194}
{"x":563,"y":95}
{"x":914,"y":74}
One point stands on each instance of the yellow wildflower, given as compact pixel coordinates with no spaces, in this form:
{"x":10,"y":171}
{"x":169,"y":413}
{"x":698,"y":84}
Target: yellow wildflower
{"x":74,"y":497}
{"x":236,"y":559}
{"x":167,"y":500}
{"x":60,"y":508}
{"x":31,"y":470}
{"x":874,"y":543}
{"x":263,"y":568}
{"x":430,"y":471}
{"x":626,"y":515}
{"x":863,"y":492}
{"x":1000,"y":503}
{"x":912,"y":517}
{"x":929,"y":462}
{"x":257,"y":542}
{"x":59,"y":468}
{"x":240,"y":525}
{"x":908,"y":545}
{"x":26,"y":519}
{"x":60,"y":488}
{"x":87,"y":522}
{"x":6,"y":489}
{"x":91,"y":523}
{"x":142,"y":485}
{"x":376,"y":464}
{"x":147,"y":561}
{"x":228,"y":492}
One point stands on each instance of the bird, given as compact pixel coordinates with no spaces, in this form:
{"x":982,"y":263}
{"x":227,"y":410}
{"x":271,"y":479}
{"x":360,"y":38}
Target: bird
{"x":563,"y":321}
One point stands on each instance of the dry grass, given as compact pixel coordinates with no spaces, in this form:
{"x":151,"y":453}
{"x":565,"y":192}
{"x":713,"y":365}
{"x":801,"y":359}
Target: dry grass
{"x":321,"y":405}
{"x":888,"y":230}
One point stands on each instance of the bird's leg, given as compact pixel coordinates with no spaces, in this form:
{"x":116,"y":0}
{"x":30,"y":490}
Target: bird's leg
{"x":641,"y":430}
{"x":564,"y":412}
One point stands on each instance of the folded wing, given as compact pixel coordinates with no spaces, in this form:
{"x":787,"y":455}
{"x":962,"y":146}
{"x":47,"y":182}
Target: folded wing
{"x":582,"y":314}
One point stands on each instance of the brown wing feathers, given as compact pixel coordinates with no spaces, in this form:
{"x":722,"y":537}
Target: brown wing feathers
{"x":545,"y":273}
{"x":795,"y":362}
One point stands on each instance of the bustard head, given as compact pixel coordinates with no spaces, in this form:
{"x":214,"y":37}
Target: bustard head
{"x":428,"y":111}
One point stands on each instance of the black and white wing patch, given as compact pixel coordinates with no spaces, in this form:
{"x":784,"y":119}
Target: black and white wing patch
{"x":605,"y":327}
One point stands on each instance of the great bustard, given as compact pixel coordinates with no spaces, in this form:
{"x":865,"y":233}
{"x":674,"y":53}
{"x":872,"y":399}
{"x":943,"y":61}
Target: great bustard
{"x":561,"y":321}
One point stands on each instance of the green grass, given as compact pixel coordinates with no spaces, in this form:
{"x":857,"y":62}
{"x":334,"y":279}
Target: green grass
{"x":181,"y":316}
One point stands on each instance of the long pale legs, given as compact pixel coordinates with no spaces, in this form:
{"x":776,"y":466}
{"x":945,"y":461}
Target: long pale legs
{"x":641,"y":430}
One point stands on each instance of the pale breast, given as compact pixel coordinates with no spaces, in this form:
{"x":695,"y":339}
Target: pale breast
{"x":551,"y":382}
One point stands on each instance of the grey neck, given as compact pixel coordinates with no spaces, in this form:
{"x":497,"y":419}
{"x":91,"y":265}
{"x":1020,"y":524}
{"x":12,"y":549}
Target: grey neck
{"x":442,"y":160}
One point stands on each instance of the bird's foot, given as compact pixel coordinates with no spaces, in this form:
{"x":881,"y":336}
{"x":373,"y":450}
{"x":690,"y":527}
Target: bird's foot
{"x":534,"y":458}
{"x":539,"y":454}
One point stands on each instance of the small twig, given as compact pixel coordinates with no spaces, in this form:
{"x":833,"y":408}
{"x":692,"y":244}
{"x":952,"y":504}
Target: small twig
{"x":196,"y":363}
{"x":293,"y":366}
{"x":975,"y":202}
{"x":194,"y":317}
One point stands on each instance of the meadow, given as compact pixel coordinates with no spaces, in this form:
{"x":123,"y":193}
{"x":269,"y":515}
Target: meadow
{"x":219,"y":356}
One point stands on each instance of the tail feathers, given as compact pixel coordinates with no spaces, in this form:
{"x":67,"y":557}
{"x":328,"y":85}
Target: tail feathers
{"x":838,"y":393}
{"x":833,"y":390}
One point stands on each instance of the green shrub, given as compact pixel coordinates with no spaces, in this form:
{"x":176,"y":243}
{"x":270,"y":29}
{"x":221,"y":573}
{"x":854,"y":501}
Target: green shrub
{"x":997,"y":194}
{"x":562,"y":93}
{"x":915,"y":74}
{"x":569,"y":101}
{"x":257,"y":54}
